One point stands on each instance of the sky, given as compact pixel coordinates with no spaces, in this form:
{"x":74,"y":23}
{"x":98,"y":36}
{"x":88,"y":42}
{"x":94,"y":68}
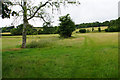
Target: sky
{"x":87,"y":11}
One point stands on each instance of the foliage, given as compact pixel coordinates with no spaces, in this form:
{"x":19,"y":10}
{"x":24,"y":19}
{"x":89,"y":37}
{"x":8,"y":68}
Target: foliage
{"x":82,"y":30}
{"x":113,"y":29}
{"x":113,"y":25}
{"x":92,"y":29}
{"x":7,"y":29}
{"x":94,"y":24}
{"x":106,"y":30}
{"x":48,"y":29}
{"x":66,"y":27}
{"x":40,"y":31}
{"x":6,"y":11}
{"x":19,"y":29}
{"x":99,"y":29}
{"x":15,"y":32}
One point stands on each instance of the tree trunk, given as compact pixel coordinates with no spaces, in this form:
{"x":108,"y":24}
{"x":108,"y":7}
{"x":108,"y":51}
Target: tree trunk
{"x":25,"y":23}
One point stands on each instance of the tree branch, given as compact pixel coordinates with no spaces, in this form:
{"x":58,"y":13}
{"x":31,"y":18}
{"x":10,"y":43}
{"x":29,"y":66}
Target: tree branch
{"x":41,"y":18}
{"x":19,"y":5}
{"x":38,"y":10}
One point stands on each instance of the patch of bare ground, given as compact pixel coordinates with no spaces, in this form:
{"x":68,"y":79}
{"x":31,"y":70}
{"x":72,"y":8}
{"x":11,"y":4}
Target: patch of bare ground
{"x":12,"y":49}
{"x":78,"y":39}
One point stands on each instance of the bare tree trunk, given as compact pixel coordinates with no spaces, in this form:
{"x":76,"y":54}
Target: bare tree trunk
{"x":25,"y":23}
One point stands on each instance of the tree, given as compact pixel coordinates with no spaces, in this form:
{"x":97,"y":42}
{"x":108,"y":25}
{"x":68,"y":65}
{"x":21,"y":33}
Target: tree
{"x":7,"y":29}
{"x":67,"y":26}
{"x":29,"y":30}
{"x":99,"y":29}
{"x":0,"y":7}
{"x":82,"y":30}
{"x":49,"y":29}
{"x":92,"y":29}
{"x":29,"y":11}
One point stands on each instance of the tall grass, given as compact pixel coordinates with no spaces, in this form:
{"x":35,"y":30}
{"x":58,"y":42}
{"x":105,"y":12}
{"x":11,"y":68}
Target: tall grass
{"x":93,"y":55}
{"x":40,"y":44}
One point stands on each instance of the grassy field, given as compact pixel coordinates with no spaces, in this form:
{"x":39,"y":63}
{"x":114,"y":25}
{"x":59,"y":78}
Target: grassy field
{"x":95,"y":28}
{"x":6,"y":33}
{"x":90,"y":55}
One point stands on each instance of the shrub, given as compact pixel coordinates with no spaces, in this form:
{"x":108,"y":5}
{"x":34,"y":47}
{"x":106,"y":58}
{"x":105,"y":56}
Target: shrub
{"x":15,"y":32}
{"x":40,"y":31}
{"x":99,"y":29}
{"x":48,"y":29}
{"x":82,"y":30}
{"x":106,"y":30}
{"x":92,"y":29}
{"x":66,"y":26}
{"x":35,"y":33}
{"x":113,"y":29}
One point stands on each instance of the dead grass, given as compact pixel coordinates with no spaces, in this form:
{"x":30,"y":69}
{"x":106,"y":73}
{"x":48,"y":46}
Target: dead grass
{"x":12,"y":49}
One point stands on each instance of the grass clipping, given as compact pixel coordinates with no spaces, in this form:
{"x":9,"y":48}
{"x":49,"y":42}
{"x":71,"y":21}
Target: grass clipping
{"x":40,"y":44}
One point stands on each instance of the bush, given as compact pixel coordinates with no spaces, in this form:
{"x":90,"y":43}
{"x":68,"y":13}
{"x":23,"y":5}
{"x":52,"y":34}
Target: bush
{"x":82,"y":30}
{"x":15,"y":32}
{"x":92,"y":29}
{"x":99,"y":29}
{"x":67,"y":26}
{"x":106,"y":30}
{"x":40,"y":31}
{"x":48,"y":29}
{"x":113,"y":29}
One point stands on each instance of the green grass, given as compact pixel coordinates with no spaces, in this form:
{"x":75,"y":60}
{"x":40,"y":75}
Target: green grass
{"x":93,"y":55}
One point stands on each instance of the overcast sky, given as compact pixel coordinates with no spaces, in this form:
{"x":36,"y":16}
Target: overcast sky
{"x":87,"y":11}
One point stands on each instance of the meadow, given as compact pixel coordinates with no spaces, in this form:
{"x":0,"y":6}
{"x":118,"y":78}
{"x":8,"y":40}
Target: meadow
{"x":89,"y":55}
{"x":95,"y":28}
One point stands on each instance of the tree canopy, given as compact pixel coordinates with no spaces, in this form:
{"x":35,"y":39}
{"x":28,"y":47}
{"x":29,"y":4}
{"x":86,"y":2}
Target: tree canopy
{"x":66,"y":26}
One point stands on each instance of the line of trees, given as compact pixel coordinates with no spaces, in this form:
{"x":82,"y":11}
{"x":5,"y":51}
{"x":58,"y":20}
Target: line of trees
{"x":7,"y":29}
{"x":33,"y":31}
{"x":98,"y":24}
{"x":94,"y":24}
{"x":113,"y":25}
